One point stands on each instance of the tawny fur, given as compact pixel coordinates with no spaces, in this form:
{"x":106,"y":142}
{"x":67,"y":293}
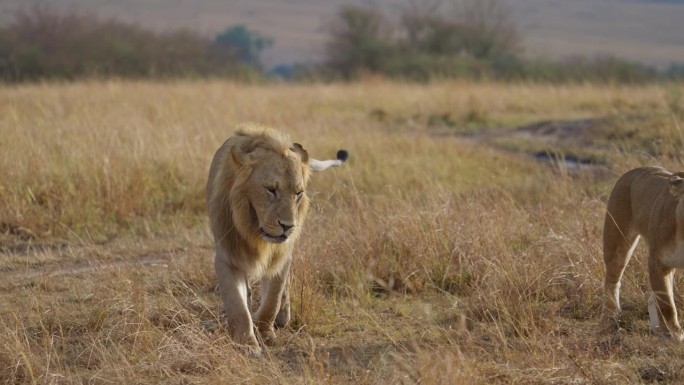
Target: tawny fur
{"x":645,"y":202}
{"x":257,"y":203}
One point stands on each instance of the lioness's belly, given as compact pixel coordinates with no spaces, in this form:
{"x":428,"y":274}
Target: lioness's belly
{"x":673,"y":256}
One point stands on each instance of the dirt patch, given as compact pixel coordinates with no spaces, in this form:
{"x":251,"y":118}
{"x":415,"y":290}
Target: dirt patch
{"x":587,"y":143}
{"x":60,"y":269}
{"x":570,"y":145}
{"x":548,"y":135}
{"x":565,"y":129}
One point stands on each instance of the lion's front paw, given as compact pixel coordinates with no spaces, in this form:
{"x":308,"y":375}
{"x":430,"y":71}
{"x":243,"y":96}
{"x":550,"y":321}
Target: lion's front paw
{"x":250,"y":347}
{"x":251,"y":350}
{"x":248,"y":344}
{"x":268,"y":336}
{"x":283,"y":317}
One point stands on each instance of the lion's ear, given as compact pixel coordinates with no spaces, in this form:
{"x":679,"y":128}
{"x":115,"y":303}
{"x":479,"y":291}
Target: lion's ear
{"x":676,"y":185}
{"x":241,"y":156}
{"x":297,"y":148}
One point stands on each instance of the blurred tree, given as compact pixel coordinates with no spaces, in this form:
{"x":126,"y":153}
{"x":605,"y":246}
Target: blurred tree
{"x":435,"y":38}
{"x":428,"y":31}
{"x":245,"y":44}
{"x":359,"y":40}
{"x":488,"y":29}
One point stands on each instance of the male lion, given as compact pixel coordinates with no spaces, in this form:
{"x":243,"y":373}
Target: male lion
{"x":646,"y":202}
{"x":257,"y":203}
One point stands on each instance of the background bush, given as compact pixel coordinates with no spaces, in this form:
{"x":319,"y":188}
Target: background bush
{"x":42,"y":44}
{"x":469,"y":38}
{"x":457,"y":39}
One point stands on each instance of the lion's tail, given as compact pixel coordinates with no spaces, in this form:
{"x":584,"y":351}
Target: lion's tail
{"x":320,"y":165}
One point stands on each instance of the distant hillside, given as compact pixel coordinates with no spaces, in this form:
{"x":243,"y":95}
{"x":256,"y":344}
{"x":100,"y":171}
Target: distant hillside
{"x":657,"y":1}
{"x":649,"y":31}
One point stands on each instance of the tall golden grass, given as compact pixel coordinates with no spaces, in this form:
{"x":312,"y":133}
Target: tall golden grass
{"x":426,"y":259}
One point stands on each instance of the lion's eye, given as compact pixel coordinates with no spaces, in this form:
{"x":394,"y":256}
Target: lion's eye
{"x":273,"y":191}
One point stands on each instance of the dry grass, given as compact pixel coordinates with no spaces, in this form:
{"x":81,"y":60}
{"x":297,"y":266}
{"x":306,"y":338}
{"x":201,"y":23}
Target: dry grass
{"x":427,"y":259}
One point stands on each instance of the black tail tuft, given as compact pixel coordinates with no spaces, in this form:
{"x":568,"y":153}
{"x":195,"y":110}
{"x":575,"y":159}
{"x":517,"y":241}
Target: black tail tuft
{"x":342,"y":155}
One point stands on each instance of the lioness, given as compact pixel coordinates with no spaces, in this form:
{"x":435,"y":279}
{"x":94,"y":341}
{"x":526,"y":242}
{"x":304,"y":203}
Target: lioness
{"x":256,"y":200}
{"x":646,"y":202}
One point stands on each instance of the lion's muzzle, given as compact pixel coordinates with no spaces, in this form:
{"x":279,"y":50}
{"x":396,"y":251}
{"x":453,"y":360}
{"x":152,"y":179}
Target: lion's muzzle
{"x":282,"y":238}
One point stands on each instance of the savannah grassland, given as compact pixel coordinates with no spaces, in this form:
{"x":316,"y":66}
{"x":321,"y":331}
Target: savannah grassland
{"x":442,"y":253}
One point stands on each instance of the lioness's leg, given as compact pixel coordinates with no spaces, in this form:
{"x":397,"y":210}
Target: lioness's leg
{"x":272,"y":289}
{"x":233,"y":289}
{"x":618,"y":248}
{"x":662,"y":284}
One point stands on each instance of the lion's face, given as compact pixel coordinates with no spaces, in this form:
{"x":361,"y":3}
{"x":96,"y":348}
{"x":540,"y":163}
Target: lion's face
{"x":275,"y":192}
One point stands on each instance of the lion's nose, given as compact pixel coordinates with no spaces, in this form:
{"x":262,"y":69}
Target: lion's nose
{"x":285,"y":226}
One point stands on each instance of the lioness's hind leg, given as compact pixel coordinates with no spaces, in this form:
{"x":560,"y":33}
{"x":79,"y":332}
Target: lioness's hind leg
{"x":617,"y":251}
